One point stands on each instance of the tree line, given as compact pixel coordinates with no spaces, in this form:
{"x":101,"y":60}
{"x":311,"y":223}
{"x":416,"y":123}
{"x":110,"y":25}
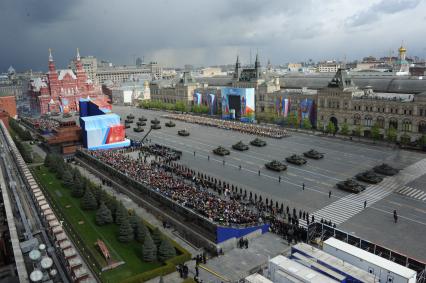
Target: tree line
{"x":111,"y":211}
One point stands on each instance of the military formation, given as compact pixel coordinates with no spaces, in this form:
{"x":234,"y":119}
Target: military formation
{"x":373,"y":176}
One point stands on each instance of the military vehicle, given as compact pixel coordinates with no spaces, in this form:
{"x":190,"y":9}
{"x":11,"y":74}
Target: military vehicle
{"x":143,"y":119}
{"x":240,"y":146}
{"x":313,"y":154}
{"x":351,"y":186}
{"x":140,"y":123}
{"x":138,"y":129}
{"x":130,"y":117}
{"x":221,"y":151}
{"x":369,"y":177}
{"x":385,"y":169}
{"x":183,"y":133}
{"x":170,"y":124}
{"x":258,"y":142}
{"x":276,"y":165}
{"x":128,"y":121}
{"x":296,"y":159}
{"x":155,"y":126}
{"x":155,"y":121}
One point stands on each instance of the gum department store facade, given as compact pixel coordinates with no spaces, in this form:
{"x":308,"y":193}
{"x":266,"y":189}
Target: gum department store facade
{"x":342,"y":102}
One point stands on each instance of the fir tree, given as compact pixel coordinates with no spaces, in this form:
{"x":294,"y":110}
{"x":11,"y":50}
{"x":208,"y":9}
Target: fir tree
{"x":149,"y":252}
{"x":67,"y":179}
{"x":166,"y":250}
{"x":103,"y":215}
{"x":125,"y":232}
{"x":140,"y":232}
{"x":78,"y":188}
{"x":156,"y":237}
{"x":88,"y":202}
{"x":121,"y":214}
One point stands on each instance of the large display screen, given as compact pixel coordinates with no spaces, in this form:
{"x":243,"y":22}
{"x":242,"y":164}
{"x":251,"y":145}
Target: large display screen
{"x":244,"y":107}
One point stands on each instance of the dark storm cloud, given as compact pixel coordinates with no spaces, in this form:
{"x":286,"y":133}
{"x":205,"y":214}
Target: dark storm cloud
{"x":200,"y":32}
{"x":36,"y":11}
{"x":376,"y":11}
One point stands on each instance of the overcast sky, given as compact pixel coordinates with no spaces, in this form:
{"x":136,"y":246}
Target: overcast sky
{"x":207,"y":32}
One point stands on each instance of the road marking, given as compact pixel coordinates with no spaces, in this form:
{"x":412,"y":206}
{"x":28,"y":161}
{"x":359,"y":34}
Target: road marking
{"x":346,"y":207}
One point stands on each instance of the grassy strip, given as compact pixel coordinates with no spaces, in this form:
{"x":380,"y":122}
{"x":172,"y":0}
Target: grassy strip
{"x":83,"y":224}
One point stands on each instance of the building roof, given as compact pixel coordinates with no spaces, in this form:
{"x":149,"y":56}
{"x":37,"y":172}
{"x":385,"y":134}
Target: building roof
{"x":378,"y":81}
{"x":370,"y":257}
{"x":63,"y":73}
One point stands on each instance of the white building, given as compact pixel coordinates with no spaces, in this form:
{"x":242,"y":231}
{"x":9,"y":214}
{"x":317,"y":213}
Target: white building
{"x":328,"y":67}
{"x":131,"y":93}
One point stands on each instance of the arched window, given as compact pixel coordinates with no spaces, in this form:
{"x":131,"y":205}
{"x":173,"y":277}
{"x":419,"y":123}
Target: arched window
{"x":368,"y":121}
{"x":380,"y":122}
{"x":422,"y":127}
{"x":406,"y":126}
{"x":357,"y":119}
{"x":393,"y":123}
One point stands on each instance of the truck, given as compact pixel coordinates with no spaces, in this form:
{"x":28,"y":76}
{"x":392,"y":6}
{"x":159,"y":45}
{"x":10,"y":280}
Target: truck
{"x":386,"y":270}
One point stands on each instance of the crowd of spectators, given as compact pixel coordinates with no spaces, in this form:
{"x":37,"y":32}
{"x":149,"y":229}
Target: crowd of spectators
{"x":248,"y":128}
{"x":44,"y":124}
{"x":182,"y":188}
{"x":219,"y":201}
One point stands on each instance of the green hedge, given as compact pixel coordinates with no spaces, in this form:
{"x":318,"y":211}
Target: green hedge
{"x":157,"y":104}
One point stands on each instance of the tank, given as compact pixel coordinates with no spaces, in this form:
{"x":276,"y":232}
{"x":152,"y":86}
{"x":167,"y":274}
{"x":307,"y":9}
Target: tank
{"x":369,"y":177}
{"x":221,"y":151}
{"x":140,"y":123}
{"x":128,"y":121}
{"x":351,"y":186}
{"x":296,"y":159}
{"x":130,"y":117}
{"x":313,"y":154}
{"x":155,"y":121}
{"x":183,"y":133}
{"x":276,"y":165}
{"x":385,"y":169}
{"x":155,"y":126}
{"x":143,"y":119}
{"x":170,"y":124}
{"x":138,"y":129}
{"x":240,"y":146}
{"x":258,"y":142}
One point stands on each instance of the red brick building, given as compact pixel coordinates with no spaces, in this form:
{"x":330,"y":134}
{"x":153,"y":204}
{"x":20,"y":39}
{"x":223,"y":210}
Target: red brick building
{"x":8,"y":104}
{"x":60,"y":90}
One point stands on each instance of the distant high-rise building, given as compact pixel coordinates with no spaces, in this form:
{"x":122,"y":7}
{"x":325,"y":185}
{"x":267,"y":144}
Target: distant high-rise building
{"x":139,"y":62}
{"x":90,"y":66}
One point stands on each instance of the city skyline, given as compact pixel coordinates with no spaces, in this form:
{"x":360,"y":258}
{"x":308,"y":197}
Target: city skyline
{"x":207,"y":32}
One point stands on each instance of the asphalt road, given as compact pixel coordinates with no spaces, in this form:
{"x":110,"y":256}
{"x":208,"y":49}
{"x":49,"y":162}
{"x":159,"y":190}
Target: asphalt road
{"x":343,"y":159}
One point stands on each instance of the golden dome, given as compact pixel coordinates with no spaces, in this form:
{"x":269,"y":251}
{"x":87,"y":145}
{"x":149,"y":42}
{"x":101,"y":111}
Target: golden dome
{"x":402,"y":49}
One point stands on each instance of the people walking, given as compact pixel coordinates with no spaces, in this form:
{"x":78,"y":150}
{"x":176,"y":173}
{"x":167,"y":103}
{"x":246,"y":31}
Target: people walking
{"x":395,"y":216}
{"x":329,"y":194}
{"x":365,"y":203}
{"x":303,"y":186}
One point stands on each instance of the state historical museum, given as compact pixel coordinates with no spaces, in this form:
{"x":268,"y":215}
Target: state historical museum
{"x":59,"y":91}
